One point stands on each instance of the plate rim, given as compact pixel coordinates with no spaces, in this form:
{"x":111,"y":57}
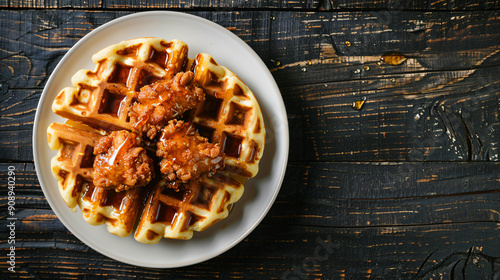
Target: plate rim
{"x":281,"y":111}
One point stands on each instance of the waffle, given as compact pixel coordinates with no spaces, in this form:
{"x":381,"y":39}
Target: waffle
{"x":229,"y":116}
{"x":103,"y":97}
{"x":176,"y":214}
{"x":72,"y":167}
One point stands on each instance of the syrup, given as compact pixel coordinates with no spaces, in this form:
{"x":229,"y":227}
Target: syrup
{"x":88,"y":157}
{"x":145,"y":78}
{"x":112,"y":198}
{"x":238,"y":91}
{"x":112,"y":103}
{"x":120,"y":150}
{"x":232,"y":146}
{"x":238,"y":114}
{"x":158,"y":57}
{"x":393,"y":58}
{"x":193,"y":219}
{"x":132,"y":51}
{"x":193,"y":66}
{"x":89,"y":192}
{"x":205,"y":196}
{"x":67,"y":150}
{"x":120,"y":74}
{"x":358,"y":105}
{"x":253,"y":154}
{"x":165,"y":214}
{"x":211,"y":107}
{"x":204,"y":131}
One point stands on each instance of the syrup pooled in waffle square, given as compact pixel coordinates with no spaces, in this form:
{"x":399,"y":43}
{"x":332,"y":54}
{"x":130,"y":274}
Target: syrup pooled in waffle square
{"x":197,"y":205}
{"x":230,"y":116}
{"x":103,"y":97}
{"x":73,"y":167}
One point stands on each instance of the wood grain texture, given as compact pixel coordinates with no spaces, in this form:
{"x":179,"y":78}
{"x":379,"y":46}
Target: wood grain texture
{"x":327,"y":47}
{"x":323,"y":5}
{"x":313,"y":229}
{"x":432,"y":107}
{"x":36,"y":40}
{"x":355,"y":194}
{"x":433,"y":5}
{"x":408,"y":187}
{"x":172,"y":4}
{"x":318,"y":253}
{"x":436,"y":116}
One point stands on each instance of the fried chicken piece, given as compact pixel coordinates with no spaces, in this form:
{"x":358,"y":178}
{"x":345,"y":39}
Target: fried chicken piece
{"x":186,"y":154}
{"x":164,"y":100}
{"x":120,"y":162}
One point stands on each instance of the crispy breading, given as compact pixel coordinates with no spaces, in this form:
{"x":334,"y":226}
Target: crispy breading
{"x":164,"y":100}
{"x":120,"y":162}
{"x":186,"y":155}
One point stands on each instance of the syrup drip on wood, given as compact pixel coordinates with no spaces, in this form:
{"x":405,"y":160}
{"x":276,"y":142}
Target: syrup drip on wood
{"x":393,"y":58}
{"x":358,"y":105}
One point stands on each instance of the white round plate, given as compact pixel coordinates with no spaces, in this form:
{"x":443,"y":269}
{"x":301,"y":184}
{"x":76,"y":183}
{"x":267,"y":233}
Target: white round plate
{"x":201,"y":35}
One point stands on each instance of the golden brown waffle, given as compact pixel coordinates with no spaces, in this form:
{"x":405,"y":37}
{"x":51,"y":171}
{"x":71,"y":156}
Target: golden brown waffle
{"x":103,"y":97}
{"x":229,"y":116}
{"x":72,"y":167}
{"x":176,"y":214}
{"x":118,"y":210}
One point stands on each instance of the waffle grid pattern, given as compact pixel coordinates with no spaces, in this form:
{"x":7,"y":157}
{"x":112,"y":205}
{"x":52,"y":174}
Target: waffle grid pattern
{"x":230,"y":116}
{"x":176,"y":214}
{"x":72,"y":167}
{"x":103,"y":97}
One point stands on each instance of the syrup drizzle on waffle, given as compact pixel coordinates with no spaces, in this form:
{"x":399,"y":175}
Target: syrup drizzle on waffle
{"x":230,"y":116}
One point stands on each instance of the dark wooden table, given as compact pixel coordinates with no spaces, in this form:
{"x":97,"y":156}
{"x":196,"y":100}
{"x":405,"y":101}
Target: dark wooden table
{"x":405,"y":187}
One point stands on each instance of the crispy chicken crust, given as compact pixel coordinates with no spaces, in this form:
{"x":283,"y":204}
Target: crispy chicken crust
{"x":120,"y":162}
{"x":186,"y":155}
{"x":163,"y":101}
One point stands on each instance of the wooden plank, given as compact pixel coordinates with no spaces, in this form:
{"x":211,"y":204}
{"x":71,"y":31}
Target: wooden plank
{"x":438,"y":112}
{"x":36,"y":40}
{"x":30,"y":4}
{"x":437,"y":115}
{"x":51,"y":4}
{"x":373,"y":194}
{"x":16,"y":145}
{"x":355,"y":194}
{"x":396,"y":220}
{"x":447,"y":5}
{"x":214,"y":5}
{"x":435,"y":5}
{"x":327,"y":47}
{"x":82,"y":4}
{"x":172,"y":4}
{"x":18,"y":108}
{"x":281,"y":252}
